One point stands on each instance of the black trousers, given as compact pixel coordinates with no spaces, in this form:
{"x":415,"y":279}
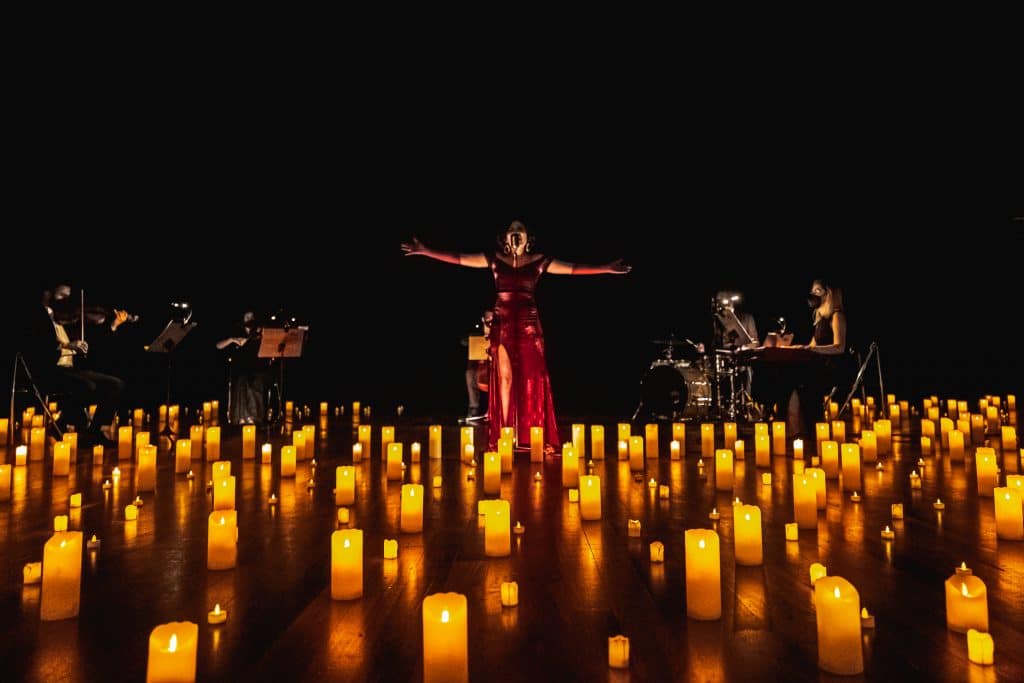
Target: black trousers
{"x":85,"y":387}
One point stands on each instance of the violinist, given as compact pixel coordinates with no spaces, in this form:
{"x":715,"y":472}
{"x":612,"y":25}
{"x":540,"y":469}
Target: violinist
{"x":60,"y":370}
{"x":248,"y":379}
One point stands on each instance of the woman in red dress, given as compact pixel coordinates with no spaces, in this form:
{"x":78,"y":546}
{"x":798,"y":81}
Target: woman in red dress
{"x":520,"y":394}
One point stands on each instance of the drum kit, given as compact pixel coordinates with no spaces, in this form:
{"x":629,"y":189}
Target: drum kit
{"x":685,"y":383}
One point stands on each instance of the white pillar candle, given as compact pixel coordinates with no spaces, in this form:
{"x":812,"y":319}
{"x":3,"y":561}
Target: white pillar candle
{"x":805,"y":510}
{"x":779,"y":438}
{"x":703,"y":575}
{"x":213,"y":443}
{"x":505,"y":454}
{"x":851,"y":467}
{"x":636,"y":453}
{"x":579,"y":436}
{"x":747,"y":527}
{"x":762,"y":457}
{"x":651,"y":434}
{"x":20,"y":456}
{"x":837,"y":607}
{"x":182,"y":455}
{"x":414,"y":452}
{"x":145,"y":471}
{"x":412,"y":508}
{"x":222,"y":540}
{"x":707,"y":440}
{"x":992,"y":419}
{"x":394,"y":461}
{"x":347,"y":564}
{"x":821,"y":434}
{"x":248,"y":442}
{"x":623,"y":450}
{"x":1009,"y":439}
{"x":492,"y":473}
{"x":723,"y":470}
{"x":729,"y":435}
{"x":570,"y":467}
{"x":497,"y":530}
{"x":124,"y":442}
{"x":287,"y":461}
{"x":298,"y":442}
{"x":434,"y":441}
{"x":798,"y":449}
{"x":345,"y":485}
{"x":1009,"y":513}
{"x":62,"y":576}
{"x":966,"y":603}
{"x":674,"y":450}
{"x":224,"y":493}
{"x":883,"y":432}
{"x":679,"y":432}
{"x":986,"y":465}
{"x":625,"y":431}
{"x":172,"y":653}
{"x":387,"y":436}
{"x":830,"y":458}
{"x":956,"y":446}
{"x":868,"y":446}
{"x":590,"y":498}
{"x":536,"y":444}
{"x":597,"y":442}
{"x":839,"y":431}
{"x":61,"y":459}
{"x":465,"y":438}
{"x":365,"y":435}
{"x":445,"y":639}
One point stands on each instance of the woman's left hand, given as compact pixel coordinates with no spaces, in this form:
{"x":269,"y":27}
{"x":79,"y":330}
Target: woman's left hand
{"x":617,"y":267}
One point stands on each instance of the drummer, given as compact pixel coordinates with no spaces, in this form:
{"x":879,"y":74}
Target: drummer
{"x":734,"y":329}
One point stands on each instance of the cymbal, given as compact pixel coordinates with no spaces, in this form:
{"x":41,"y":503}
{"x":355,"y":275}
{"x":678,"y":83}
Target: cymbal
{"x":670,"y":342}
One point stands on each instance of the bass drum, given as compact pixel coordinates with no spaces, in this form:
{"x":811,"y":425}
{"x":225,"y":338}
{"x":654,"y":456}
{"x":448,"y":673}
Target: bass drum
{"x":673,"y":390}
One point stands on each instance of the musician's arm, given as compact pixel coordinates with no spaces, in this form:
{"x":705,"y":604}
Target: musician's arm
{"x":838,"y":345}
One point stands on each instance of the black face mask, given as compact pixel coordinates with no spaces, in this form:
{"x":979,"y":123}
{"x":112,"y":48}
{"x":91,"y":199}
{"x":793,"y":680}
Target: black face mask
{"x":814,"y":300}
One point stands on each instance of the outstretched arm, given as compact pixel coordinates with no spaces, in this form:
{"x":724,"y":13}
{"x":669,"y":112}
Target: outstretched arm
{"x":417,"y":248}
{"x":616,"y":267}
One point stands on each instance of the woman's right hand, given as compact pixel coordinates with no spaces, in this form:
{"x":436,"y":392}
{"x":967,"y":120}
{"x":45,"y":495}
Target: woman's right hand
{"x":414,"y":247}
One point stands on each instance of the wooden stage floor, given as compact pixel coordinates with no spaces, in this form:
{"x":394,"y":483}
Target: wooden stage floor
{"x":579,"y":582}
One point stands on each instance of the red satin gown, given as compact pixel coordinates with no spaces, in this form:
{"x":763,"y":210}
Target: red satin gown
{"x":517,"y":327}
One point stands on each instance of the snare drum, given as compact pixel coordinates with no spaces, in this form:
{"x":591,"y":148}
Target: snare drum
{"x":673,"y":390}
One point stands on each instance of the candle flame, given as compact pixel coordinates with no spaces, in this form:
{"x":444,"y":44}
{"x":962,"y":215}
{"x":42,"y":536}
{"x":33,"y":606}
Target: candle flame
{"x":963,"y":589}
{"x":590,"y":482}
{"x":700,"y":544}
{"x":93,"y":537}
{"x":835,"y":592}
{"x":63,"y":543}
{"x":864,"y":613}
{"x":412,"y":493}
{"x":963,"y":565}
{"x":747,"y":516}
{"x":445,"y":616}
{"x":172,"y":646}
{"x":222,"y":519}
{"x":216,"y":608}
{"x":714,"y":511}
{"x":345,"y":544}
{"x":1007,"y":495}
{"x":887,"y":529}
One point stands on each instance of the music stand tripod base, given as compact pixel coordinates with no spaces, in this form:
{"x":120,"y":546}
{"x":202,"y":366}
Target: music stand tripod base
{"x":166,"y":342}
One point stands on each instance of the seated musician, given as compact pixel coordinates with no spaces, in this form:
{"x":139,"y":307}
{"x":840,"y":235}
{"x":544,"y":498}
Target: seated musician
{"x":478,"y":372}
{"x":733,"y":329}
{"x":55,"y":359}
{"x":827,"y":366}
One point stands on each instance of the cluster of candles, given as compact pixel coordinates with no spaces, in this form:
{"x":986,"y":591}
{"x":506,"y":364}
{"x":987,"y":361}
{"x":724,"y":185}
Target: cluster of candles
{"x":840,"y":617}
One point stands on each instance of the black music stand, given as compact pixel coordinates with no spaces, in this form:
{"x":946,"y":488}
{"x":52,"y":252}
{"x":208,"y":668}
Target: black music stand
{"x":280,"y":343}
{"x":168,"y":340}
